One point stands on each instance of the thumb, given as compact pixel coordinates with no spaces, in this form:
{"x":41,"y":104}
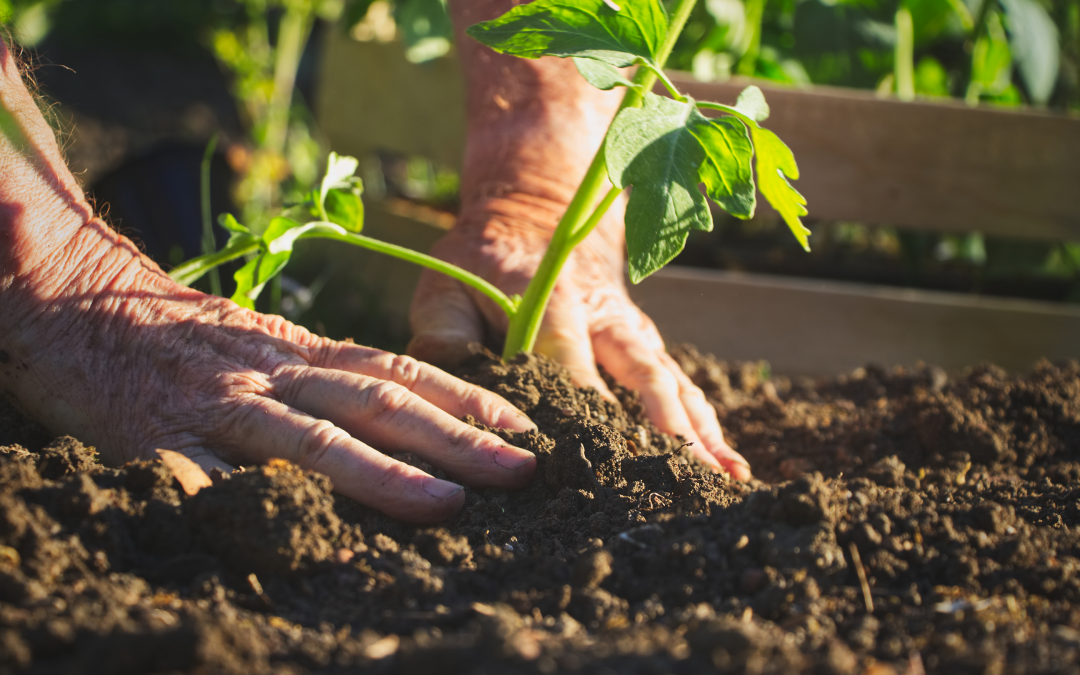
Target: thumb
{"x":444,"y":321}
{"x":566,"y":339}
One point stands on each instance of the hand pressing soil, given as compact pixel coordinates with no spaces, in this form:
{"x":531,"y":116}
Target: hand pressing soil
{"x":910,"y":523}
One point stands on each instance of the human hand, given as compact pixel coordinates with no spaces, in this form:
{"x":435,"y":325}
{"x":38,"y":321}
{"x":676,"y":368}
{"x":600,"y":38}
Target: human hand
{"x":97,"y":342}
{"x":589,"y":320}
{"x":533,"y":128}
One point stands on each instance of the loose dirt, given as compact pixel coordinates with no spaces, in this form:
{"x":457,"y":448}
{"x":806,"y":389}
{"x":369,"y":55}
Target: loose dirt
{"x":902,"y":522}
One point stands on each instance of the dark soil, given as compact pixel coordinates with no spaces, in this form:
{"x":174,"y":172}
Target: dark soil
{"x":909,"y":523}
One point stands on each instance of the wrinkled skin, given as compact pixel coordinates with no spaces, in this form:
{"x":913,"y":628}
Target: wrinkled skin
{"x":534,"y":126}
{"x":97,"y":342}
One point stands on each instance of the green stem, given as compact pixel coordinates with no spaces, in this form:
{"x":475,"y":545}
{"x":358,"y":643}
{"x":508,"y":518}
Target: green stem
{"x":905,"y":55}
{"x":208,"y":243}
{"x":580,"y":216}
{"x":506,"y":304}
{"x":193,"y":270}
{"x":755,"y":12}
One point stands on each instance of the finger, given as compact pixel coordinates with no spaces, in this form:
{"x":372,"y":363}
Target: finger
{"x":566,"y":340}
{"x":264,"y":428}
{"x":388,"y":416}
{"x":703,"y":418}
{"x":444,"y":320}
{"x":456,"y":397}
{"x":635,"y":364}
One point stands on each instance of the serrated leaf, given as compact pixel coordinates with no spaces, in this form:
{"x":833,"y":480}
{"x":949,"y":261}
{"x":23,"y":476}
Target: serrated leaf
{"x":751,"y":102}
{"x":590,"y":29}
{"x":345,"y":208}
{"x":601,"y":75}
{"x":775,"y":164}
{"x":727,"y":171}
{"x":230,"y":224}
{"x":1034,"y":41}
{"x":653,"y":149}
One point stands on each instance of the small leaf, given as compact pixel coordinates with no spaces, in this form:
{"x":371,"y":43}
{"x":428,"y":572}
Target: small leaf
{"x":345,"y":208}
{"x":774,"y":162}
{"x":339,"y":171}
{"x":590,"y":29}
{"x":751,"y":102}
{"x":252,"y":277}
{"x":230,"y":224}
{"x":601,"y":75}
{"x":284,"y":242}
{"x":727,"y":171}
{"x":653,"y":149}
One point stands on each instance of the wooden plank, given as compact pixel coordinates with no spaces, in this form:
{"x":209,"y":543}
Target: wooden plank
{"x":922,"y":165}
{"x":936,"y":166}
{"x":813,"y":328}
{"x":369,"y":97}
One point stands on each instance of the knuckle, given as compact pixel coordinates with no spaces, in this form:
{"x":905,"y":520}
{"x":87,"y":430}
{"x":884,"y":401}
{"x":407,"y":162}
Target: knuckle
{"x":316,"y":442}
{"x":383,"y":398}
{"x":405,"y":370}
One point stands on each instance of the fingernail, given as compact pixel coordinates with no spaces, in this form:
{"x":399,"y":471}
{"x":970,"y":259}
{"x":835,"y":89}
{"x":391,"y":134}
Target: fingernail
{"x":441,"y":489}
{"x":510,"y":460}
{"x":516,"y":421}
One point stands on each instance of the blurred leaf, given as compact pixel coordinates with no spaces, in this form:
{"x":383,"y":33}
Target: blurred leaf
{"x":991,"y":61}
{"x":589,"y":29}
{"x":344,"y":208}
{"x":425,"y":28}
{"x":252,"y":277}
{"x":229,"y":223}
{"x":751,"y":102}
{"x":1034,"y":41}
{"x":603,"y":76}
{"x":932,"y":18}
{"x":931,"y":78}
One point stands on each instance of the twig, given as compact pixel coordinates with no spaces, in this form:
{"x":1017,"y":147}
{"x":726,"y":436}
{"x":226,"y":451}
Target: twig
{"x":862,"y":578}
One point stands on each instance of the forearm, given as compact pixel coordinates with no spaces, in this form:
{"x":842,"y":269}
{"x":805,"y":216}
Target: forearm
{"x":533,"y":126}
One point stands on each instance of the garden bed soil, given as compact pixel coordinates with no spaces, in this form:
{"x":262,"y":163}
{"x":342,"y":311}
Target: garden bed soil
{"x":900,"y":522}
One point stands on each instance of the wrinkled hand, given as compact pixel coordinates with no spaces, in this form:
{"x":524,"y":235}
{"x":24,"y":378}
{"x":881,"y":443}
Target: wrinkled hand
{"x":97,"y":342}
{"x":589,"y":320}
{"x":533,"y":128}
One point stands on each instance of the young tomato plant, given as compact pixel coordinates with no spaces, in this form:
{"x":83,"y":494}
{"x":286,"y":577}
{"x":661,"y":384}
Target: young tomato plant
{"x":332,"y":211}
{"x":663,"y":148}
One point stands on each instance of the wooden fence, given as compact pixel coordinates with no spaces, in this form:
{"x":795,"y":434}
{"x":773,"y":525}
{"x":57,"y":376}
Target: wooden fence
{"x":940,"y":167}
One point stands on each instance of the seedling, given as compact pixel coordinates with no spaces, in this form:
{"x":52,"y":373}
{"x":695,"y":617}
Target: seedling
{"x":662,"y":147}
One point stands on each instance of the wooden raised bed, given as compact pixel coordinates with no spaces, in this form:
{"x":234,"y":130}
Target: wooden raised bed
{"x":930,"y":166}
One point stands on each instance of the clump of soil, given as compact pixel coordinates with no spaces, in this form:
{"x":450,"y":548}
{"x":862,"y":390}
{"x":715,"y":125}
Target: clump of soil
{"x":900,"y":522}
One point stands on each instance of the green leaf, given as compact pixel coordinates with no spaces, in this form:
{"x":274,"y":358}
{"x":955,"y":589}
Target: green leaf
{"x":590,"y":29}
{"x":252,"y":277}
{"x":991,"y":61}
{"x":1034,"y":40}
{"x":601,"y":75}
{"x":284,"y":242}
{"x":751,"y":102}
{"x":339,"y":172}
{"x":230,"y":224}
{"x":189,"y":272}
{"x":727,"y":172}
{"x":774,"y":162}
{"x":345,"y":208}
{"x":653,"y":149}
